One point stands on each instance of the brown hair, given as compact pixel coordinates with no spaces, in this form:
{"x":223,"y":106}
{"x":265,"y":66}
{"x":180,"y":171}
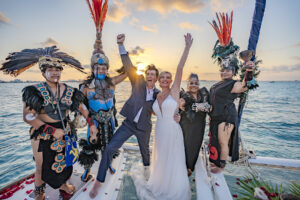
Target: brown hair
{"x":152,"y":67}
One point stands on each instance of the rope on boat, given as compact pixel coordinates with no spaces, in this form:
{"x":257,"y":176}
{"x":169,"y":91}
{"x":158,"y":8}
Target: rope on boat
{"x":245,"y":155}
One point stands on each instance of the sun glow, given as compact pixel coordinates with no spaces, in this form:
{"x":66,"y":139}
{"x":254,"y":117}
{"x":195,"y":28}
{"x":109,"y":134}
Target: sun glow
{"x":141,"y":68}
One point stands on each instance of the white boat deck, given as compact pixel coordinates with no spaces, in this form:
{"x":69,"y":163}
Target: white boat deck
{"x":108,"y":191}
{"x":208,"y":188}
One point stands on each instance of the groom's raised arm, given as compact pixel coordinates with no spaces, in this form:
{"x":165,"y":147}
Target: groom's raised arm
{"x":129,"y":68}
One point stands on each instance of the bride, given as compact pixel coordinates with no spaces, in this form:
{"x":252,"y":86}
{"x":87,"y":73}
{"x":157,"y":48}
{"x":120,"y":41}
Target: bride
{"x":168,"y":178}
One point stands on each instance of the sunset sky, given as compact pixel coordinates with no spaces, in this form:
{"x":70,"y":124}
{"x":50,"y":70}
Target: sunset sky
{"x":154,"y":33}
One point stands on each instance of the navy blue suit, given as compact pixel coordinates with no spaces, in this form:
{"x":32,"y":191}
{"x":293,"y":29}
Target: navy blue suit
{"x":141,"y":129}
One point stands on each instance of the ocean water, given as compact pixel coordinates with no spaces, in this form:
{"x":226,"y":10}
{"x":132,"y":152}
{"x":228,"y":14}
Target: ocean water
{"x":270,"y":126}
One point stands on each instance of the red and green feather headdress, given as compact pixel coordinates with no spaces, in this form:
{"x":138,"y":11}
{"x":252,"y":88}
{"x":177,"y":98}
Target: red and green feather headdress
{"x":225,"y":52}
{"x":98,"y":9}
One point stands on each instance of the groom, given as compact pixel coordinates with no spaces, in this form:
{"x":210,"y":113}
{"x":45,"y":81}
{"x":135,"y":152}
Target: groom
{"x":137,"y":110}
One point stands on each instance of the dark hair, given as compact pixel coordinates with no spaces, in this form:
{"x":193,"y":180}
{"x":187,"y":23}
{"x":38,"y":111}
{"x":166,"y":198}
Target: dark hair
{"x":152,"y":67}
{"x":44,"y":67}
{"x":192,"y":75}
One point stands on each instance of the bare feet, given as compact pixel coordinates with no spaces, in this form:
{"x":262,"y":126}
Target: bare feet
{"x":86,"y":176}
{"x":189,"y":172}
{"x":39,"y":192}
{"x":39,"y":196}
{"x":216,"y":170}
{"x":111,"y":169}
{"x":94,"y":191}
{"x":146,"y":172}
{"x":70,"y":189}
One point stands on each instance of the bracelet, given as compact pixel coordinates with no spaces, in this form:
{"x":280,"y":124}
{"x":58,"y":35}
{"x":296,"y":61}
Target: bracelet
{"x":122,"y":49}
{"x":90,"y":121}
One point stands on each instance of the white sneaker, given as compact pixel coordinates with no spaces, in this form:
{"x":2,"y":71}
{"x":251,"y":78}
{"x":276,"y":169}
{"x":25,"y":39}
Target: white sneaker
{"x":146,"y":172}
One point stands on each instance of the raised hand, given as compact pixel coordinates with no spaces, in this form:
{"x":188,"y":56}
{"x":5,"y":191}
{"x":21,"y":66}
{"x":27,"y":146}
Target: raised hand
{"x":250,"y":65}
{"x":188,"y":40}
{"x":175,"y":89}
{"x":120,"y":38}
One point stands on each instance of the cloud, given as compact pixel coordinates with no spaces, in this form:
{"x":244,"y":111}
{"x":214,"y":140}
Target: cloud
{"x":137,"y":51}
{"x":134,"y":22}
{"x":296,"y":45}
{"x":49,"y":42}
{"x":4,"y":19}
{"x":282,"y":68}
{"x":167,"y":6}
{"x":296,"y":57}
{"x":188,"y":25}
{"x":117,"y":12}
{"x":153,"y":28}
{"x":225,"y":5}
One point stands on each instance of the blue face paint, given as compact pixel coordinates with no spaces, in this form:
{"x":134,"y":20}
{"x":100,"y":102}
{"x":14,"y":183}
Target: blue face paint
{"x":101,"y":61}
{"x":101,"y":76}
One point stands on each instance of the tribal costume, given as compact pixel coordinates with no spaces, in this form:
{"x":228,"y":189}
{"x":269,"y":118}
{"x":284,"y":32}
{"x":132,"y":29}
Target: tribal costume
{"x":221,"y":99}
{"x":56,"y":169}
{"x":193,"y":125}
{"x":103,"y":113}
{"x":100,"y":95}
{"x":39,"y":98}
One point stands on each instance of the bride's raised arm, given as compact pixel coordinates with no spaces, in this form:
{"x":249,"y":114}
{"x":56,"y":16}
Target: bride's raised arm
{"x":175,"y":89}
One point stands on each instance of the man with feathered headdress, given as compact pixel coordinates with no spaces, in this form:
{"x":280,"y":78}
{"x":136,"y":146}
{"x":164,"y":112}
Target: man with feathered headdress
{"x":99,"y":88}
{"x":46,"y":110}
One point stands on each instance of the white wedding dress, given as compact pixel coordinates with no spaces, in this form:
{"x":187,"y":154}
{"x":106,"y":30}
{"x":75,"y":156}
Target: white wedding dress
{"x":168,"y":173}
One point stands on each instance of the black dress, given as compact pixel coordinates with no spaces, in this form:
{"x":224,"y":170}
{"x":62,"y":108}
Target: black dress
{"x":193,"y":125}
{"x":223,"y":110}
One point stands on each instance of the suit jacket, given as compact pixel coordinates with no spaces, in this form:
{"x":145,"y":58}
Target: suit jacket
{"x":137,"y":99}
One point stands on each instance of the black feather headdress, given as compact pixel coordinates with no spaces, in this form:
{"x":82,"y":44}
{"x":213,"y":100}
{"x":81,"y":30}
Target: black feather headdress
{"x":18,"y":62}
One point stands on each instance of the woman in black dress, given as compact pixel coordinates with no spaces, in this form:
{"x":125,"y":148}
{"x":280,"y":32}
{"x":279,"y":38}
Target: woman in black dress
{"x":223,"y":134}
{"x":193,"y":103}
{"x":224,"y":140}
